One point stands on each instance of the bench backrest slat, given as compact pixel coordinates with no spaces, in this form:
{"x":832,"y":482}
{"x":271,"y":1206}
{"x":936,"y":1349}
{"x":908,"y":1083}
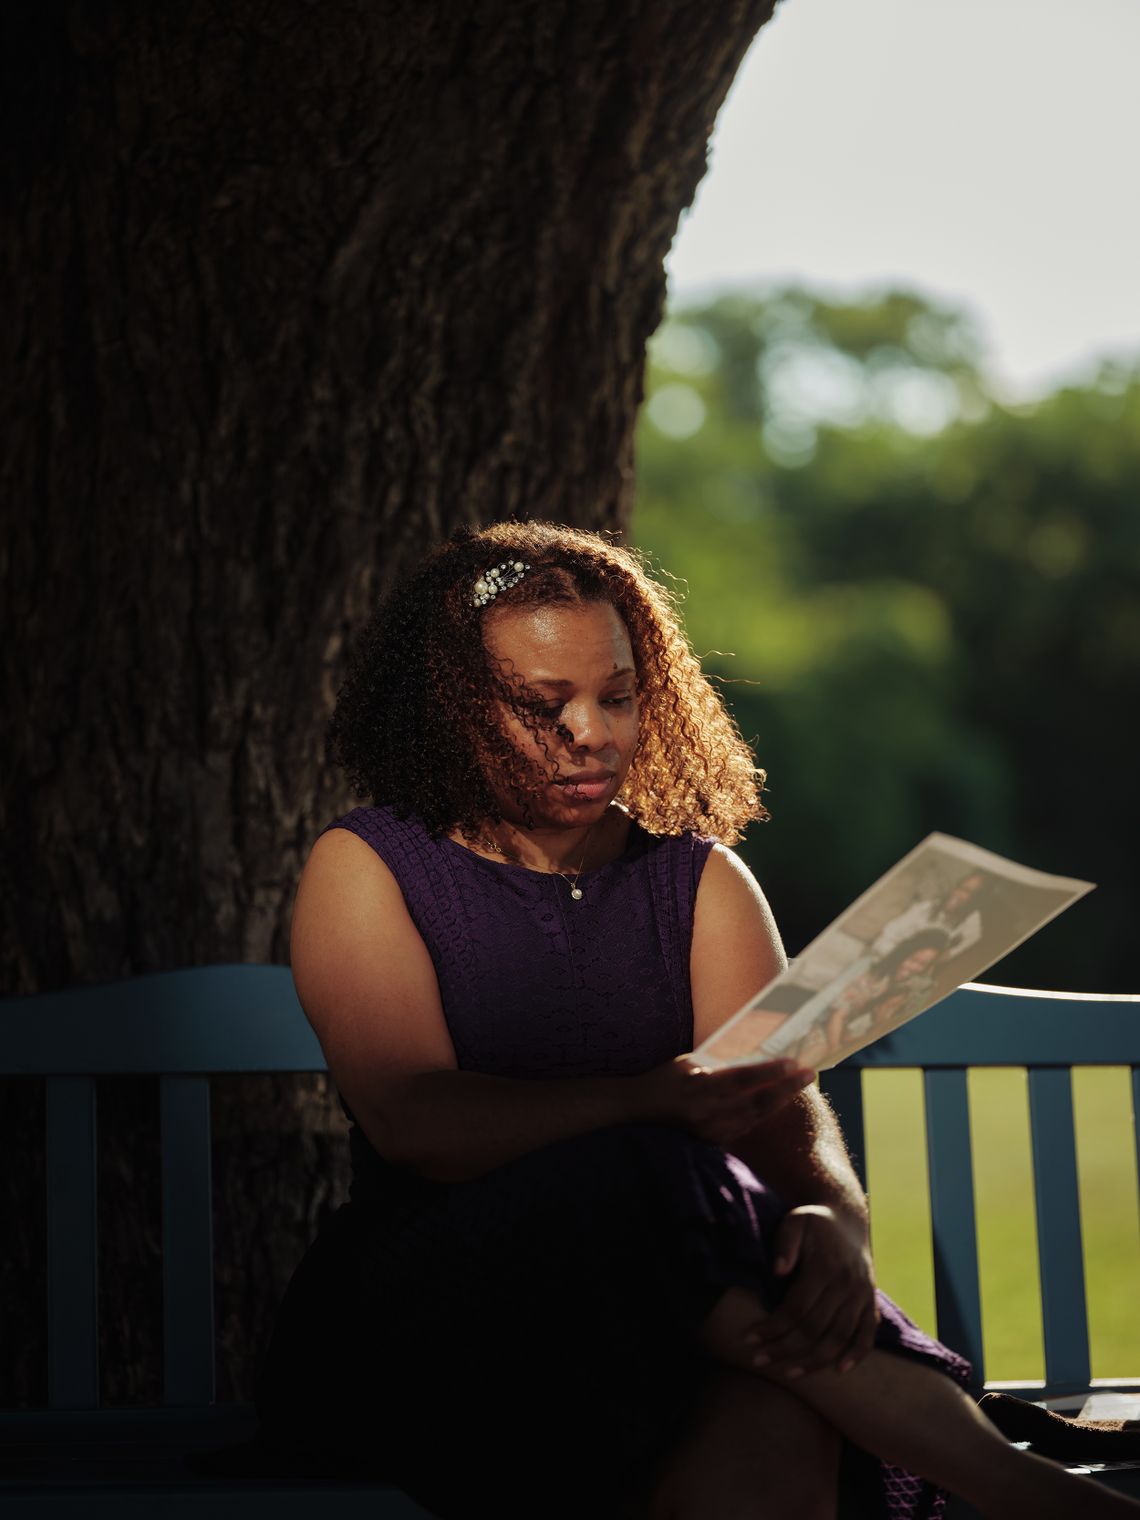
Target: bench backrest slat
{"x":1004,"y":1026}
{"x":200,"y":1019}
{"x":1063,"y":1314}
{"x":957,"y":1294}
{"x":187,"y":1242}
{"x":72,"y":1258}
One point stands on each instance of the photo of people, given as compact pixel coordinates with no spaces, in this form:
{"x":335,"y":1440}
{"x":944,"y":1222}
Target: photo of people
{"x":938,"y":918}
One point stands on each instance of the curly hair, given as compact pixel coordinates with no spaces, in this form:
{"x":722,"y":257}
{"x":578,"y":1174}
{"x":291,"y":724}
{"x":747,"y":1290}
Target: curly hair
{"x":417,"y":724}
{"x":931,"y":938}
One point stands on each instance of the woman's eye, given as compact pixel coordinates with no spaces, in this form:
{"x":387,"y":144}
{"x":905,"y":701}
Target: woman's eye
{"x":551,"y":710}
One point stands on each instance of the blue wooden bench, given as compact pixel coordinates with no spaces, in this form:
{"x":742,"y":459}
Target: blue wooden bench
{"x":183,"y":1026}
{"x":1048,"y":1034}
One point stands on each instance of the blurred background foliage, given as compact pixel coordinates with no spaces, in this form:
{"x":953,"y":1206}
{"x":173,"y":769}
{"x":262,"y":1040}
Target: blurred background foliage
{"x":924,"y":604}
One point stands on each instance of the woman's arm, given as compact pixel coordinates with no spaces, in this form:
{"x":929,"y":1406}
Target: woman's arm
{"x":368,"y":986}
{"x":827,"y":1316}
{"x":736,"y":950}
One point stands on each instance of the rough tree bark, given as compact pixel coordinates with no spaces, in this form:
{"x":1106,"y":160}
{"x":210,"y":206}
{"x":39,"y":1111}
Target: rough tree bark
{"x":293,"y":289}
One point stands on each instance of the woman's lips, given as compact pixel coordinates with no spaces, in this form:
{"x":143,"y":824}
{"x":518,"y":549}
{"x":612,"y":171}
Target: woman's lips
{"x":591,"y":790}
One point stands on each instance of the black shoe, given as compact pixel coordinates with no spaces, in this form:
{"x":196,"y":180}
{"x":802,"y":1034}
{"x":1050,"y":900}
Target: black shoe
{"x":1065,"y":1440}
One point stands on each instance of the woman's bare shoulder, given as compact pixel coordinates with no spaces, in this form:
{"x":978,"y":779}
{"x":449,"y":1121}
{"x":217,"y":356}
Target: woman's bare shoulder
{"x":345,"y":874}
{"x":736,"y":946}
{"x":365,"y":979}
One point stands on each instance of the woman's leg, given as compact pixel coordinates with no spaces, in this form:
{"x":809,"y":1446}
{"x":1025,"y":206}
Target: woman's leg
{"x":752,"y":1450}
{"x":915,"y":1417}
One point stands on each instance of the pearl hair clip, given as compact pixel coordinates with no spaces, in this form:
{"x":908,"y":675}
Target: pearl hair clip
{"x":491,"y":582}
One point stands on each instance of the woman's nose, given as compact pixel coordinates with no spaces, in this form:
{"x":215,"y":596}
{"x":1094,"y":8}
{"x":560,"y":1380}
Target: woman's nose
{"x":587,"y":728}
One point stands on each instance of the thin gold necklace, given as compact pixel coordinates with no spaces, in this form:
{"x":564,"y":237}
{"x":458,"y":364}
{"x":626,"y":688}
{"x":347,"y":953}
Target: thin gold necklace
{"x":575,"y":889}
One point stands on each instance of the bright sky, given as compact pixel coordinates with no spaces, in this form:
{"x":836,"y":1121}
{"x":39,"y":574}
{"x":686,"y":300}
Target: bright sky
{"x":984,"y":151}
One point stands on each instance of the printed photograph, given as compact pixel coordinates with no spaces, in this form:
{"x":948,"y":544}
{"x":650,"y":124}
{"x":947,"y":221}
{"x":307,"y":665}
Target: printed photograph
{"x":939,"y":917}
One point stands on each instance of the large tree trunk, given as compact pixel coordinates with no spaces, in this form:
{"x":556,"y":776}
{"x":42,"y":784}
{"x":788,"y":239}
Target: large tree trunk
{"x":292,"y":290}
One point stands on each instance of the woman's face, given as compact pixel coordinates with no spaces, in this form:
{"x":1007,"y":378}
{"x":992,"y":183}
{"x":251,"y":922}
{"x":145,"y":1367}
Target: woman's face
{"x":579,"y":663}
{"x":916,"y":963}
{"x":964,"y":892}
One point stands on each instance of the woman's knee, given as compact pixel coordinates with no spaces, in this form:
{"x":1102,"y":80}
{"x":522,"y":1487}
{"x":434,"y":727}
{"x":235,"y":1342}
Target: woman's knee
{"x":753,"y":1451}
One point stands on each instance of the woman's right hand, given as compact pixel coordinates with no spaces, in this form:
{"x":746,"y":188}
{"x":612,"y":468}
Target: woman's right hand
{"x":717,"y":1105}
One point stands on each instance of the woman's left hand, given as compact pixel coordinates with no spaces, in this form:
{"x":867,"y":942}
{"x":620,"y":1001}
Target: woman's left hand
{"x":828,"y":1316}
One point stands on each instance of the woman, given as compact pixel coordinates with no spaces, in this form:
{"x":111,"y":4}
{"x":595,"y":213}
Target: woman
{"x":900,"y":981}
{"x":578,"y":1275}
{"x":957,"y":911}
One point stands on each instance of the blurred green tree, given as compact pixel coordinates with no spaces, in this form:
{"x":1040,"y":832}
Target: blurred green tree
{"x":932,"y":600}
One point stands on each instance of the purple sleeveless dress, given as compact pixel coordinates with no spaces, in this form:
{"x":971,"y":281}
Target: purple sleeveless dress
{"x":523,"y":1343}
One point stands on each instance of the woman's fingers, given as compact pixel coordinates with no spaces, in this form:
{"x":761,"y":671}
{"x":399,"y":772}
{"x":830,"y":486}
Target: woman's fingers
{"x":828,"y":1315}
{"x":833,"y":1348}
{"x":813,"y":1345}
{"x":764,"y":1089}
{"x":769,"y":1073}
{"x":817,"y":1338}
{"x":863,"y":1339}
{"x":835,"y":1331}
{"x":768,"y":1099}
{"x":808,"y":1305}
{"x":729,"y":1102}
{"x":719,"y":1103}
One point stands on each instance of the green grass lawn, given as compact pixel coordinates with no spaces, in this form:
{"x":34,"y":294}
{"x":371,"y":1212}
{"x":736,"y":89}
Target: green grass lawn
{"x":1011,"y":1303}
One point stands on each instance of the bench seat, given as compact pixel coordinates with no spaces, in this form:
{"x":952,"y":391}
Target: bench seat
{"x":110,"y":1462}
